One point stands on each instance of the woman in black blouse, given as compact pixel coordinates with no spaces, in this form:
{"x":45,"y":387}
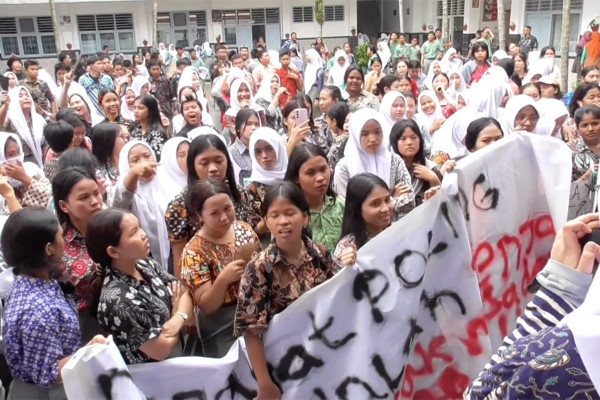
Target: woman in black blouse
{"x":148,"y":125}
{"x":138,"y":302}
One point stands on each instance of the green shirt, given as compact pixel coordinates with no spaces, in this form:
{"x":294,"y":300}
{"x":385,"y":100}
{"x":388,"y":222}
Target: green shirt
{"x":326,"y":225}
{"x":432,"y":50}
{"x":402,"y":51}
{"x":415,"y":53}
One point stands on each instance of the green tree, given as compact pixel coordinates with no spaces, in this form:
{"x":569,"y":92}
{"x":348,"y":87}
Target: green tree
{"x":320,"y":15}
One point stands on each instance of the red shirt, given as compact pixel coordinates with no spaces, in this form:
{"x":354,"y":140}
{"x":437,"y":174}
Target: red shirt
{"x":478,"y":73}
{"x":289,"y":84}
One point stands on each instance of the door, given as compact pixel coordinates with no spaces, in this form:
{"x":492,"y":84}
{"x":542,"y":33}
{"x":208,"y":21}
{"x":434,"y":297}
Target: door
{"x":273,"y":38}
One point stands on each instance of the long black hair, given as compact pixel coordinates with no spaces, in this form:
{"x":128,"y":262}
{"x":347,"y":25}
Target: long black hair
{"x":578,"y":96}
{"x":478,"y":46}
{"x":294,"y":105}
{"x":359,"y":188}
{"x":397,"y":132}
{"x":104,"y":137}
{"x":301,"y":154}
{"x":201,"y":191}
{"x":103,"y":230}
{"x":241,"y":119}
{"x":385,"y":82}
{"x":579,"y":114}
{"x":63,"y":183}
{"x":338,"y":112}
{"x":24,"y":238}
{"x":154,"y":120}
{"x":475,"y":128}
{"x":198,"y":146}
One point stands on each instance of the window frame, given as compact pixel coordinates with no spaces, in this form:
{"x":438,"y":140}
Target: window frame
{"x":192,"y":29}
{"x":303,"y":10}
{"x":100,"y":32}
{"x":19,"y":36}
{"x":334,"y":12}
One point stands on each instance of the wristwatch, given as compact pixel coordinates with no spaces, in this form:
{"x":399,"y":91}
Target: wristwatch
{"x":182,"y":315}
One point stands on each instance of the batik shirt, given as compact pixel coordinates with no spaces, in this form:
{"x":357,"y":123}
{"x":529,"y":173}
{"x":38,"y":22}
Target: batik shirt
{"x":77,"y":267}
{"x":270,"y":284}
{"x":163,"y":91}
{"x":41,"y":94}
{"x":181,"y":225}
{"x":539,"y":359}
{"x":202,"y":260}
{"x":93,"y":87}
{"x":583,"y":158}
{"x":364,"y":100}
{"x":40,"y":329}
{"x":527,"y":44}
{"x":155,"y":137}
{"x":134,"y":311}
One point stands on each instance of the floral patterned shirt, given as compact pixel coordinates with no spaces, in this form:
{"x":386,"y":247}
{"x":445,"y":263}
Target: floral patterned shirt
{"x":41,"y":94}
{"x":326,"y":225}
{"x":40,"y":329}
{"x":336,"y":152}
{"x":270,"y":284}
{"x":202,"y":260}
{"x":163,"y":91}
{"x":181,"y":226}
{"x":318,"y":137}
{"x":156,"y":138}
{"x":256,"y":195}
{"x":134,"y":311}
{"x":364,"y":99}
{"x":77,"y":267}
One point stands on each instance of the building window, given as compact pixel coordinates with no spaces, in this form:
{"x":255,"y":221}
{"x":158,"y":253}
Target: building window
{"x":334,"y":13}
{"x":455,"y":8}
{"x":302,"y":14}
{"x":28,"y":37}
{"x":550,"y":5}
{"x":112,"y":30}
{"x":182,"y":28}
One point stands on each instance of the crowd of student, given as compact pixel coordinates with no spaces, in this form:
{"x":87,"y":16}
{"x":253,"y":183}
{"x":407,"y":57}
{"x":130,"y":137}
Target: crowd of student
{"x":128,"y":210}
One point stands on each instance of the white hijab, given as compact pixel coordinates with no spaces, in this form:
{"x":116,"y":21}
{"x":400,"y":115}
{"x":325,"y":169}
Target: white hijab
{"x":337,"y":72}
{"x":125,"y":111}
{"x":428,"y":83}
{"x":163,"y":51}
{"x":234,"y":104}
{"x":264,"y":92}
{"x":33,"y":137}
{"x":171,"y":176}
{"x":386,"y":107}
{"x":311,"y":69}
{"x":500,"y":55}
{"x":151,"y":201}
{"x":383,"y":51}
{"x":541,"y":67}
{"x":516,"y":104}
{"x":143,"y":70}
{"x":275,"y":175}
{"x":454,"y":92}
{"x":30,"y":168}
{"x":186,"y":80}
{"x":138,"y":83}
{"x":44,"y":76}
{"x":274,"y":59}
{"x":451,"y":136}
{"x":357,"y":159}
{"x":491,"y":89}
{"x":79,"y":90}
{"x":448,"y":65}
{"x":551,"y":110}
{"x":425,"y":119}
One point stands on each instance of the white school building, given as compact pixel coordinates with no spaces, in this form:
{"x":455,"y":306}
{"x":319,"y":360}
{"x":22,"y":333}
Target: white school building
{"x":26,"y":27}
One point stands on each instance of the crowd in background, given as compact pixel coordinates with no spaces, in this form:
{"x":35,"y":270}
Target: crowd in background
{"x":137,"y":205}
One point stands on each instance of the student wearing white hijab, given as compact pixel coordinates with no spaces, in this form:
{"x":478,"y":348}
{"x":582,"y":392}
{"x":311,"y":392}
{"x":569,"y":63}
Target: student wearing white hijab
{"x":368,"y":150}
{"x":241,"y":97}
{"x":173,"y":174}
{"x":314,"y":63}
{"x":542,"y":67}
{"x":451,"y":136}
{"x":140,"y":191}
{"x":491,"y":94}
{"x":269,"y":158}
{"x":429,"y":112}
{"x":393,"y":109}
{"x":337,"y":72}
{"x":191,"y":77}
{"x":457,"y":84}
{"x":553,"y":111}
{"x":521,"y":115}
{"x":23,"y":119}
{"x":499,"y":55}
{"x":451,"y":60}
{"x":138,"y":84}
{"x":268,"y":98}
{"x":435,"y":68}
{"x":383,"y":51}
{"x":127,"y":112}
{"x":34,"y":190}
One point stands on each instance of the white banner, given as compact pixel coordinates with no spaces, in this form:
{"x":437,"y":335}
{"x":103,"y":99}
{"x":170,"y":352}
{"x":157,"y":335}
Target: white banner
{"x":420,"y":313}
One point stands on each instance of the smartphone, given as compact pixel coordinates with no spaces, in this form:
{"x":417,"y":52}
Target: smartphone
{"x":301,"y":115}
